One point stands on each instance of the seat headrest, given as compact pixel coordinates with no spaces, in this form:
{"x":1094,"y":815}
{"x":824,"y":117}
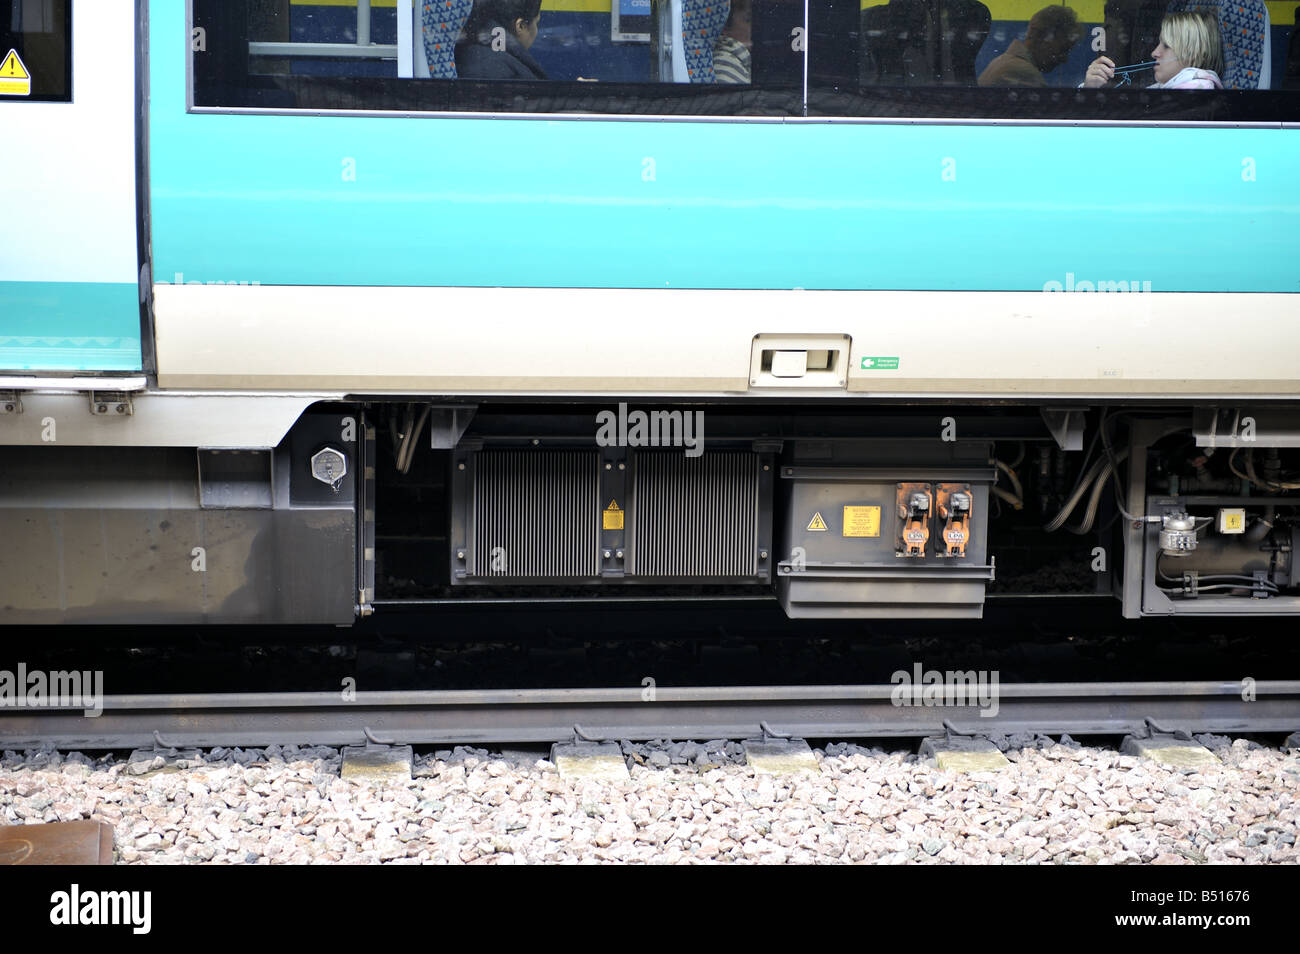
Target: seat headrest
{"x":441,"y":22}
{"x":702,"y":23}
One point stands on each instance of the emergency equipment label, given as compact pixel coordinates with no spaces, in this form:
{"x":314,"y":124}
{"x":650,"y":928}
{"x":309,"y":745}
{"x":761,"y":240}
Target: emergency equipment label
{"x":879,"y":364}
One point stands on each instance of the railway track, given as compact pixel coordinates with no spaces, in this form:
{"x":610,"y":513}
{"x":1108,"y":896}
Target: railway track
{"x":553,"y":715}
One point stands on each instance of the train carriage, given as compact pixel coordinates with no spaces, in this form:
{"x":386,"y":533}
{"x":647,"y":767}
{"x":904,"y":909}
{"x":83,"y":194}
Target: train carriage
{"x":298,"y":322}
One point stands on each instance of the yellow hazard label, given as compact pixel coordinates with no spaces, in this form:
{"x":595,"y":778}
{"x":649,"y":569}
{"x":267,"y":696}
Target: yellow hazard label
{"x":14,"y":78}
{"x":1233,"y":520}
{"x":611,"y":517}
{"x":862,"y":521}
{"x":817,"y":523}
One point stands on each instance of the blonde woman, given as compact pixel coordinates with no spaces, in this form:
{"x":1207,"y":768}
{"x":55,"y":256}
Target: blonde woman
{"x":1188,"y":55}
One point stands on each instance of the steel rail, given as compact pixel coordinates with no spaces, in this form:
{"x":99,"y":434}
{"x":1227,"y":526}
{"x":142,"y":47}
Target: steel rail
{"x":550,"y":715}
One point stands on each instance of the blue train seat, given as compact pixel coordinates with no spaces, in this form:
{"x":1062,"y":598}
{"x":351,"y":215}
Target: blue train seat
{"x":688,"y":31}
{"x":702,"y":23}
{"x":1244,"y":28}
{"x":440,"y":25}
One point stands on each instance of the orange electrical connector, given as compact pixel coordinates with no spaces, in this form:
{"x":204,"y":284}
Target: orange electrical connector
{"x":914,"y":507}
{"x":954,"y":504}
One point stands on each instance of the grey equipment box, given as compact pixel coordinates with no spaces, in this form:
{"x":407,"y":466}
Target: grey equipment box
{"x":849,"y":530}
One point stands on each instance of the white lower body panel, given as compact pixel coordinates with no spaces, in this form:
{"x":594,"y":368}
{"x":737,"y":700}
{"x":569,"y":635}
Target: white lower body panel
{"x":454,"y":341}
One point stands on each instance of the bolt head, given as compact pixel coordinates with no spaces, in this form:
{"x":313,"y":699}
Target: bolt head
{"x":329,"y":465}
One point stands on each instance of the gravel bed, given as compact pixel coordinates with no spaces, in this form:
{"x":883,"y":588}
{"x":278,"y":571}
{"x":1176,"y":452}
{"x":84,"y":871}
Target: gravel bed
{"x":1058,"y":802}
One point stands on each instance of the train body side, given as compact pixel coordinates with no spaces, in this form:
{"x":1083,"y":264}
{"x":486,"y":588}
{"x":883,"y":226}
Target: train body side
{"x":375,"y":342}
{"x":653,"y":252}
{"x":69,"y":274}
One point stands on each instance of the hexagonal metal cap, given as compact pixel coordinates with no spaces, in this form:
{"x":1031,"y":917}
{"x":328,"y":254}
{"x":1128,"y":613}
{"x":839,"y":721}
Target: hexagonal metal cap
{"x":329,"y":466}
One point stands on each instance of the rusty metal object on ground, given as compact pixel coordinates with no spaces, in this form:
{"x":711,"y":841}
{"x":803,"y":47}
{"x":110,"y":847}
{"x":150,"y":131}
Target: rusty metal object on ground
{"x":57,"y":843}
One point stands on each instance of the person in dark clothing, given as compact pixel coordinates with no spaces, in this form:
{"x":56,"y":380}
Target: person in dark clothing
{"x":494,"y":44}
{"x":1052,"y":33}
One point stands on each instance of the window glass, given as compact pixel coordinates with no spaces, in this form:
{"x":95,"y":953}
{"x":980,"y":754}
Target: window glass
{"x":703,"y":57}
{"x":1089,"y":59}
{"x":35,"y":51}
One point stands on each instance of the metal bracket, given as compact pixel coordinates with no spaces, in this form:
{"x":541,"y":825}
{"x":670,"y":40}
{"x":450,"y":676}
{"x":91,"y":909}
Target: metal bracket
{"x":770,"y":733}
{"x":11,"y":402}
{"x":161,"y":745}
{"x":447,"y":425}
{"x":1066,"y":425}
{"x":581,"y":735}
{"x":115,"y":403}
{"x":949,"y":730}
{"x":1150,"y":730}
{"x":373,"y":741}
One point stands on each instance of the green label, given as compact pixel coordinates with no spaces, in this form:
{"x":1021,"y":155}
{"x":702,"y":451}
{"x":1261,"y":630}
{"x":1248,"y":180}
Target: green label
{"x":879,"y":364}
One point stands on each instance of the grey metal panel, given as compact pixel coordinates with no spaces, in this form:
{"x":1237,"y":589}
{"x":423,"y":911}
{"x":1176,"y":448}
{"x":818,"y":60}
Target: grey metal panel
{"x":160,"y":419}
{"x":830,"y":573}
{"x":1227,"y":426}
{"x":138,"y":566}
{"x":117,"y":535}
{"x":694,"y":516}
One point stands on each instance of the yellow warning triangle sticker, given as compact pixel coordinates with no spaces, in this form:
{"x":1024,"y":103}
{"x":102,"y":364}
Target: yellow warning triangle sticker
{"x":817,"y":523}
{"x":14,"y":78}
{"x":612,"y":518}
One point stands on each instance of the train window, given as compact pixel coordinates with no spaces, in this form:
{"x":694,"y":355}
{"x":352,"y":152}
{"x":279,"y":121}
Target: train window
{"x":688,"y":57}
{"x":1028,"y":59}
{"x":35,"y":51}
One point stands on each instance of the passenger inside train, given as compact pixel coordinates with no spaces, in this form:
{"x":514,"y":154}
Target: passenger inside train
{"x":731,"y":53}
{"x":1052,"y":33}
{"x":746,"y":57}
{"x":495,"y":41}
{"x":1188,"y":56}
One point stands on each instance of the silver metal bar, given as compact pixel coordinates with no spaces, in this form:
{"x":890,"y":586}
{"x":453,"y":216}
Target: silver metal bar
{"x":363,"y":23}
{"x":549,"y":715}
{"x":353,"y":51}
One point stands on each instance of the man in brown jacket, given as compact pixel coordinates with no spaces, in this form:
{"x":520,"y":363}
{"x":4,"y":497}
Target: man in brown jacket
{"x":1052,"y":32}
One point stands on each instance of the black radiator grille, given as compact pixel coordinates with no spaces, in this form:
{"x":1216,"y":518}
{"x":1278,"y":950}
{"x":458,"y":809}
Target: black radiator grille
{"x":694,"y":516}
{"x":536,"y":514}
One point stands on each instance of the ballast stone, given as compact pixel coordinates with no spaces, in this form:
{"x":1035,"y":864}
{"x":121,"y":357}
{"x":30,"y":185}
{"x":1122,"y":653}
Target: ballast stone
{"x":602,"y":761}
{"x":149,"y":761}
{"x":1170,"y":752}
{"x":780,"y":757}
{"x":962,"y":754}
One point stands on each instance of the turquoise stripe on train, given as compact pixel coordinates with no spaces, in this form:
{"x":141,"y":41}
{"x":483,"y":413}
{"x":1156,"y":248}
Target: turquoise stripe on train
{"x":459,"y":201}
{"x":69,"y":326}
